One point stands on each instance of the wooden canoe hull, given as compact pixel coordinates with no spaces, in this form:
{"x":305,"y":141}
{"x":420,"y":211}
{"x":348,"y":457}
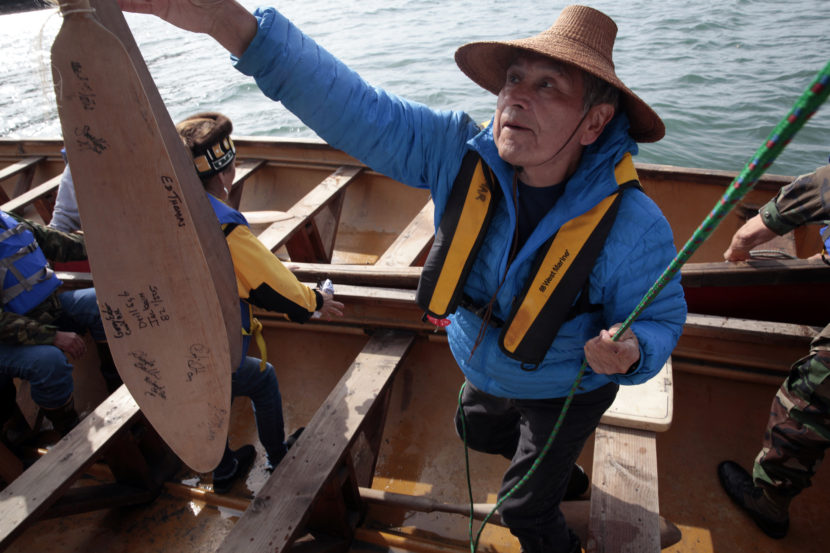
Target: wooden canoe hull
{"x":374,"y":221}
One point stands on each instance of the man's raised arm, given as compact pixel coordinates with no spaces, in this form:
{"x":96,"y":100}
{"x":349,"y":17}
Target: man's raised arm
{"x":227,"y":21}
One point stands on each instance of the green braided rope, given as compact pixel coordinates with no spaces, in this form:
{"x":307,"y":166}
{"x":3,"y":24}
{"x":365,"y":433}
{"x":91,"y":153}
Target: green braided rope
{"x":804,"y":108}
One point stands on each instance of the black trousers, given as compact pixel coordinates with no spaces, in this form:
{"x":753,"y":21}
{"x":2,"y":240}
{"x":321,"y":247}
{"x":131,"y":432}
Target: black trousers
{"x":518,"y":429}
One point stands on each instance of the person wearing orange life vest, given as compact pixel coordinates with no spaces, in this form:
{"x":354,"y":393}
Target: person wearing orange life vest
{"x":557,"y":152}
{"x":262,"y":280}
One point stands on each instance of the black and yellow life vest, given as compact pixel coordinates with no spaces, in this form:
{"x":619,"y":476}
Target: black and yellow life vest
{"x":560,"y":271}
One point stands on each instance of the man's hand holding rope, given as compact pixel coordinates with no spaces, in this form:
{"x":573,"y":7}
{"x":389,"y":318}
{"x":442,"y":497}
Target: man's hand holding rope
{"x":606,"y":356}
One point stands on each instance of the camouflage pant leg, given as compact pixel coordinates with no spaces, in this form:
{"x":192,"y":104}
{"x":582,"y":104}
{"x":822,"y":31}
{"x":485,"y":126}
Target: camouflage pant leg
{"x":798,"y":430}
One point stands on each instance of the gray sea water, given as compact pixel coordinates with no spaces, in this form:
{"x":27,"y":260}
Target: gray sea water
{"x":721,"y":73}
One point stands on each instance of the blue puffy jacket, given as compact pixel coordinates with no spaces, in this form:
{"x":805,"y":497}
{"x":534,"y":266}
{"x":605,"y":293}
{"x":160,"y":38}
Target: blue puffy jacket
{"x":422,"y":147}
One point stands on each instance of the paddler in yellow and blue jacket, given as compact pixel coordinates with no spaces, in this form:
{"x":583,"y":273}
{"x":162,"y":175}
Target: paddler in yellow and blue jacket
{"x":555,"y":162}
{"x":262,"y":280}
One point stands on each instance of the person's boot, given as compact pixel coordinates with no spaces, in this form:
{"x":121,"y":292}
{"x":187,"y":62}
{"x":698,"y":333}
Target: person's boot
{"x":577,"y":484}
{"x":771,"y":516}
{"x":575,"y":545}
{"x":8,"y":398}
{"x":234,"y":465}
{"x":14,"y":429}
{"x":63,"y":418}
{"x":108,"y":370}
{"x":270,"y":465}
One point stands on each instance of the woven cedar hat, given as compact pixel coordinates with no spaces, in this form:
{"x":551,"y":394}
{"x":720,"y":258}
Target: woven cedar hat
{"x":581,"y":36}
{"x":208,"y":136}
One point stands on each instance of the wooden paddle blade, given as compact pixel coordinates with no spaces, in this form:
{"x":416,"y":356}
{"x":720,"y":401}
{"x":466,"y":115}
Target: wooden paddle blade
{"x":109,"y":14}
{"x":166,"y":320}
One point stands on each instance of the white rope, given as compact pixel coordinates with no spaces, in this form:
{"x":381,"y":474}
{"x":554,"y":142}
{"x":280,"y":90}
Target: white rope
{"x":77,"y":10}
{"x":771,"y":254}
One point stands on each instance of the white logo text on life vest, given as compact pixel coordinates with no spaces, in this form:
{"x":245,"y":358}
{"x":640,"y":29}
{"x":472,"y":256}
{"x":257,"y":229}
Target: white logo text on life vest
{"x":554,"y":270}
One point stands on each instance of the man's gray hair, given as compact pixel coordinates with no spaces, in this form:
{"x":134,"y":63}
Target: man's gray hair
{"x":598,"y":91}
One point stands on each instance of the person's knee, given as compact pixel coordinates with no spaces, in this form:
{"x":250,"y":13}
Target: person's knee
{"x":467,"y":432}
{"x":477,"y":437}
{"x":51,"y":380}
{"x":249,"y":380}
{"x":267,"y":378}
{"x":515,"y":513}
{"x":82,"y":307}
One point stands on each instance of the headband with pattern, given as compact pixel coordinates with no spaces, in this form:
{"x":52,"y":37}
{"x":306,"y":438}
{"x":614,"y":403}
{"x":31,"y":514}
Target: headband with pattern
{"x":216,"y":158}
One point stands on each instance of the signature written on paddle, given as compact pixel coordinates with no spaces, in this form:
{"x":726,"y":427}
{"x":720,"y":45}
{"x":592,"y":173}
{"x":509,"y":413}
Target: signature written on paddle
{"x":151,"y":373}
{"x":86,"y":95}
{"x":84,"y":136}
{"x":174,"y":199}
{"x":198,"y":360}
{"x":141,"y":310}
{"x":217,"y":419}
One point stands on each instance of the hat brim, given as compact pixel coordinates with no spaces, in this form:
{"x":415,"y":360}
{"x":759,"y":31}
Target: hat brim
{"x":486,"y":64}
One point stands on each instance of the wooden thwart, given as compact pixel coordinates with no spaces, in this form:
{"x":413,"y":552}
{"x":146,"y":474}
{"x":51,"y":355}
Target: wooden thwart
{"x":625,"y":513}
{"x":24,"y":171}
{"x":624,"y":503}
{"x":35,"y":195}
{"x":412,"y":245}
{"x":278,"y":514}
{"x":313,"y":240}
{"x":48,"y":480}
{"x":21,"y":167}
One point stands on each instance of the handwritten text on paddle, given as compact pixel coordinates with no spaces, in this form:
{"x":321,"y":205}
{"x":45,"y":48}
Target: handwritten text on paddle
{"x":199,"y":360}
{"x":135,"y":311}
{"x":174,"y":199}
{"x":152,"y":374}
{"x":86,"y":94}
{"x":84,"y":136}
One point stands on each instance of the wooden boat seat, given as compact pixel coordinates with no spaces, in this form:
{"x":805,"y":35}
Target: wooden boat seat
{"x":316,"y":487}
{"x":244,"y":169}
{"x":139,"y":465}
{"x":309,"y":233}
{"x":41,"y":196}
{"x":625,"y":512}
{"x":24,"y":171}
{"x":412,"y":244}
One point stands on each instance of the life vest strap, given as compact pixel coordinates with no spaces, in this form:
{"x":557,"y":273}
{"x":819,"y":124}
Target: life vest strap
{"x":11,"y":231}
{"x":561,"y":271}
{"x":458,"y":238}
{"x":256,"y":334}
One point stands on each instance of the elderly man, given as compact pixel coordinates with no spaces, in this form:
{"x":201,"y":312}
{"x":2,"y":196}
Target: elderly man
{"x":554,"y":162}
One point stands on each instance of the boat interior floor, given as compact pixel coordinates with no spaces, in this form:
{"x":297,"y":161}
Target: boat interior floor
{"x":714,"y":419}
